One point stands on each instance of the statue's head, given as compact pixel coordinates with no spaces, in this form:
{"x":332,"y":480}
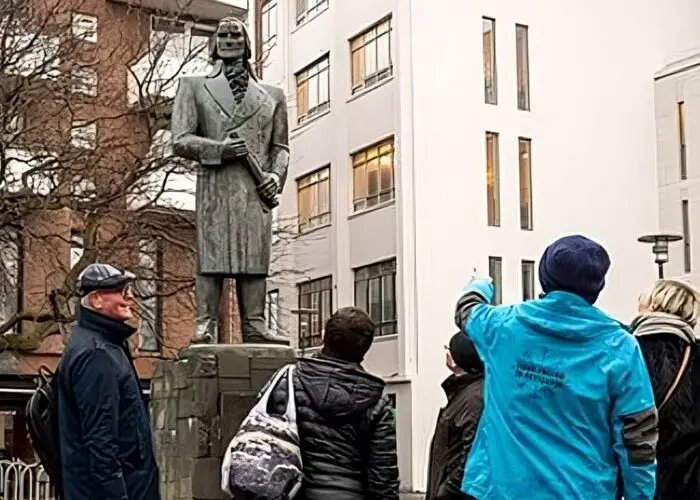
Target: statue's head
{"x":230,"y":42}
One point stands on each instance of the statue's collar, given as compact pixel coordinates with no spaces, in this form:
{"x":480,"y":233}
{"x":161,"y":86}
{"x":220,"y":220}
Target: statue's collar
{"x":216,"y":69}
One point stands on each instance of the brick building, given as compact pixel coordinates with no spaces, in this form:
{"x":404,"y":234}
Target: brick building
{"x":84,"y":105}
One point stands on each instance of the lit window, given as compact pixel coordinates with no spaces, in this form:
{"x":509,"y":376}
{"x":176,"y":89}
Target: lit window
{"x":373,"y":175}
{"x":493,"y":189}
{"x":83,"y":135}
{"x":496,"y":274}
{"x":315,"y":304}
{"x":309,"y":8}
{"x":313,"y":90}
{"x":150,"y":306}
{"x":375,"y":292}
{"x":685,"y":209}
{"x":314,"y":199}
{"x":84,"y":81}
{"x":528,"y":279}
{"x":525,"y":167}
{"x":681,"y":141}
{"x":272,"y":305}
{"x":490,"y":79}
{"x":85,"y":27}
{"x":371,"y":56}
{"x":523,"y":66}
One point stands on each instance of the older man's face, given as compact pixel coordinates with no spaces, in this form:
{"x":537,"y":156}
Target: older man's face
{"x":230,"y":40}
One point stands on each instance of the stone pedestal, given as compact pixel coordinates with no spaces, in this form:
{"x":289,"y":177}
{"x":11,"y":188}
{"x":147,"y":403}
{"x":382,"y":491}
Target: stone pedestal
{"x":197,"y":405}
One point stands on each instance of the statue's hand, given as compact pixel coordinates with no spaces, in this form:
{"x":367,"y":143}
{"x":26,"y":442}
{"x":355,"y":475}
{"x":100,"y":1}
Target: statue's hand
{"x":269,"y":187}
{"x":234,"y":148}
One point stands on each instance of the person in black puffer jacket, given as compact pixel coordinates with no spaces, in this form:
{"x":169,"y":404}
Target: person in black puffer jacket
{"x":346,"y":423}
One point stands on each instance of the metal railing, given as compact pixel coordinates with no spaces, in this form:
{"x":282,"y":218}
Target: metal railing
{"x":22,"y":481}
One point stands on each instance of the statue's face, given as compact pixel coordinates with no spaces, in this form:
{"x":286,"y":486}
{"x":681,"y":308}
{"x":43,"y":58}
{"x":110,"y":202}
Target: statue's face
{"x":230,"y":40}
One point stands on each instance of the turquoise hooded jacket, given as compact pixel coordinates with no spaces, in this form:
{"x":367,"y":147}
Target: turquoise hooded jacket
{"x":569,"y":410}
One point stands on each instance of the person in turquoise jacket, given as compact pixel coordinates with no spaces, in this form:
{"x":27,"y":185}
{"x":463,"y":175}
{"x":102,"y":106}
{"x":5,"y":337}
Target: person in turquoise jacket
{"x":569,"y":409}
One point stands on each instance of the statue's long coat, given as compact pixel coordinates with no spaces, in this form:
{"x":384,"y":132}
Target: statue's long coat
{"x":234,"y":227}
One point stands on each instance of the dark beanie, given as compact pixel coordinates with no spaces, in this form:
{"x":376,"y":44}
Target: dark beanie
{"x":574,"y":264}
{"x":464,"y":353}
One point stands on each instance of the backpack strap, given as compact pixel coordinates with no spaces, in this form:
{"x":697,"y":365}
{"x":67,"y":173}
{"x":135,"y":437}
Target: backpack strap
{"x":681,"y":372}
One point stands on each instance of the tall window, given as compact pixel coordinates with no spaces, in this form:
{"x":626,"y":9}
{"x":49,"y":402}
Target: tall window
{"x":84,"y":27}
{"x":150,"y":304}
{"x":373,"y":175}
{"x":314,"y":199}
{"x":313,"y":90}
{"x":528,"y":279}
{"x":83,"y":135}
{"x":490,"y":78}
{"x":493,"y":188}
{"x":523,"y":66}
{"x":272,"y":305}
{"x":371,"y":56}
{"x":11,"y":275}
{"x":525,"y":167}
{"x":687,"y":264}
{"x":495,"y":272}
{"x":268,"y":19}
{"x":315,"y":304}
{"x":375,"y":292}
{"x":309,"y":8}
{"x":681,"y":140}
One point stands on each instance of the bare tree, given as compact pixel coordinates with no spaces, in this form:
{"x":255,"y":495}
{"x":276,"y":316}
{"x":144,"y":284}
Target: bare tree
{"x":86,"y":173}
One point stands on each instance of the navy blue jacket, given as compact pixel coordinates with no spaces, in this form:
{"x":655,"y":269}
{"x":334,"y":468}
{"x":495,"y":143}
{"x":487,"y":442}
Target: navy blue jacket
{"x":106,"y":443}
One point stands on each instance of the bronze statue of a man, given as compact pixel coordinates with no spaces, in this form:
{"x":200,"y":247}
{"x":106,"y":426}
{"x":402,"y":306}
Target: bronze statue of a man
{"x":236,"y":128}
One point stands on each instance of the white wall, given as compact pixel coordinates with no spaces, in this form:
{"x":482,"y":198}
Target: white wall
{"x":592,"y":127}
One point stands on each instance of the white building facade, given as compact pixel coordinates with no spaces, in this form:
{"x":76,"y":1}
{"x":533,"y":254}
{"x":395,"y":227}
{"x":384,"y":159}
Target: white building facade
{"x":432,"y":140}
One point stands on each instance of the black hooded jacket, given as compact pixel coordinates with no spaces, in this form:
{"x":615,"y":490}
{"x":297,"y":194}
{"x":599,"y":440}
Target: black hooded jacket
{"x":663,"y":339}
{"x":347,"y":431}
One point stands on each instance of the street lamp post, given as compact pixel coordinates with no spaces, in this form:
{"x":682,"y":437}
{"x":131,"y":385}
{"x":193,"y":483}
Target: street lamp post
{"x":660,"y":247}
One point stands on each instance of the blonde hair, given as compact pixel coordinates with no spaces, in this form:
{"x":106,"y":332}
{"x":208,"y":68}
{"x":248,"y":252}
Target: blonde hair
{"x":674,"y":297}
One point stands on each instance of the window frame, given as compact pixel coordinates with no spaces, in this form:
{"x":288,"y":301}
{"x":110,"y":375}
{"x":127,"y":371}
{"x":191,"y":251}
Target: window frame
{"x":304,"y":76}
{"x":687,"y":249}
{"x":155,"y":254}
{"x":490,"y":91}
{"x":268,"y":12}
{"x":496,"y":274}
{"x":522,"y":62}
{"x":526,"y":214}
{"x":82,"y":142}
{"x":356,"y":164}
{"x":325,"y":285}
{"x":378,"y":271}
{"x":493,"y":190}
{"x":79,"y":32}
{"x":527,"y":267}
{"x":682,"y":145}
{"x":305,"y":225}
{"x":381,"y":74}
{"x":309,"y":13}
{"x":91,"y":88}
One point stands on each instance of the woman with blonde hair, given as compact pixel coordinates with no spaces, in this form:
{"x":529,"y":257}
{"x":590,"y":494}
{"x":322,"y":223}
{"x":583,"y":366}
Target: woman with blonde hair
{"x":668,"y":314}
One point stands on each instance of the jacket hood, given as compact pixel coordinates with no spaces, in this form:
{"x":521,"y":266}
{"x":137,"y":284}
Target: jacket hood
{"x":568,"y":316}
{"x":662,"y":323}
{"x":338,"y":389}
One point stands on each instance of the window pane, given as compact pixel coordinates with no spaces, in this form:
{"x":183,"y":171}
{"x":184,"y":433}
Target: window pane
{"x":523,"y":67}
{"x":370,"y":58}
{"x":361,"y":289}
{"x":360,"y":183}
{"x":495,"y":264}
{"x":493,"y":207}
{"x":324,"y":199}
{"x":375,"y":300}
{"x":525,"y":175}
{"x":685,"y":209}
{"x":383,"y":52}
{"x":373,"y":177}
{"x":313,"y":92}
{"x":323,"y":87}
{"x":681,"y":140}
{"x":528,"y":279}
{"x":387,"y":172}
{"x":302,"y":99}
{"x":358,"y":67}
{"x":489,"y":41}
{"x":388,"y":298}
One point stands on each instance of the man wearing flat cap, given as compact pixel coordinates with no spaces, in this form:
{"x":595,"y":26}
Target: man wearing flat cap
{"x":105,"y":437}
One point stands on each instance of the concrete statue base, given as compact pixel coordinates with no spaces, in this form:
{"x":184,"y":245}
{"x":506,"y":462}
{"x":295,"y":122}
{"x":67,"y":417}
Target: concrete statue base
{"x":197,"y":405}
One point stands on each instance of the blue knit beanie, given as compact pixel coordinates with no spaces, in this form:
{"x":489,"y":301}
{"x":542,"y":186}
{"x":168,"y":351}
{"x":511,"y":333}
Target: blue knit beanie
{"x":574,"y":264}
